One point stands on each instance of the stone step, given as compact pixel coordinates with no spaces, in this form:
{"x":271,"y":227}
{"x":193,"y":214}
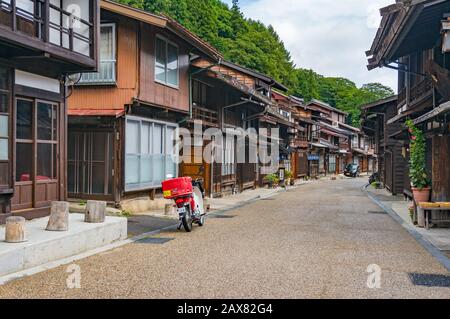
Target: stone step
{"x":44,"y":246}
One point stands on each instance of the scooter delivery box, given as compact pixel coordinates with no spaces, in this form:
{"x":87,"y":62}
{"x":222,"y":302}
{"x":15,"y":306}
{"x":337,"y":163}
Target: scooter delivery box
{"x":177,"y":187}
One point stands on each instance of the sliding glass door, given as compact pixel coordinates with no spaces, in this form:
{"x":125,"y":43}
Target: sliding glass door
{"x":36,"y":153}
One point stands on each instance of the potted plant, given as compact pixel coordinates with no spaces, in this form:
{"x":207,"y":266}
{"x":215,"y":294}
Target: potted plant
{"x":272,"y":179}
{"x":289,"y":177}
{"x":419,"y":178}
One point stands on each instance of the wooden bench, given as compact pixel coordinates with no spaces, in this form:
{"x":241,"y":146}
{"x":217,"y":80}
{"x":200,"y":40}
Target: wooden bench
{"x":427,"y":213}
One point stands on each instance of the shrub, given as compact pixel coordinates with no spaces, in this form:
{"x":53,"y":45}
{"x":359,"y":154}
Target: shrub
{"x":272,"y":178}
{"x":417,"y":172}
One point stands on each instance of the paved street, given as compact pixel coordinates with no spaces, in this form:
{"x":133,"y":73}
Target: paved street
{"x":315,"y":241}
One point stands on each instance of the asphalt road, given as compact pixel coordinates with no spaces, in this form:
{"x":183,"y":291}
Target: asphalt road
{"x":316,"y":241}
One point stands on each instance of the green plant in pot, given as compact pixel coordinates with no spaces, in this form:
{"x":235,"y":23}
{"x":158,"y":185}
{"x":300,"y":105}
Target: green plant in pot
{"x":419,"y":177}
{"x":289,"y":177}
{"x":272,"y":179}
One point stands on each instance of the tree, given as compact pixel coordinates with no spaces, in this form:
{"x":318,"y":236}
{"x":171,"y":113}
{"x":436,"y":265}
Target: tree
{"x":134,"y":3}
{"x":257,"y":46}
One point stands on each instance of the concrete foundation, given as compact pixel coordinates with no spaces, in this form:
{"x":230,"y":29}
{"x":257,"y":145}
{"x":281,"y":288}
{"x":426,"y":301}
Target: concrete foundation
{"x":44,"y":247}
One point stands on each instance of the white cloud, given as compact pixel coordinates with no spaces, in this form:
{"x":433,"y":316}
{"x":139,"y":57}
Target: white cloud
{"x":328,"y":36}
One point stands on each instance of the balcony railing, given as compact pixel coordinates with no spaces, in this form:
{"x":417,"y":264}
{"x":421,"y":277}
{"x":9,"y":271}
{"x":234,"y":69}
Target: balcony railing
{"x":105,"y":76}
{"x":421,"y":90}
{"x":301,"y":141}
{"x":49,"y":23}
{"x":207,"y":116}
{"x":417,"y":93}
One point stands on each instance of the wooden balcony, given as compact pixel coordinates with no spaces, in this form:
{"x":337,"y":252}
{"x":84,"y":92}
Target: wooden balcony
{"x":301,"y":142}
{"x":421,"y":91}
{"x":418,"y":93}
{"x":39,"y":29}
{"x":207,"y":116}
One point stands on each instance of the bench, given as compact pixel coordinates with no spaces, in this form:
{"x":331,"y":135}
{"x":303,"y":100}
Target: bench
{"x":427,"y":212}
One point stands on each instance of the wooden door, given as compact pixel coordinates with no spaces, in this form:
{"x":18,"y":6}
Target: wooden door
{"x":90,"y":164}
{"x":441,"y":168}
{"x":38,"y":145}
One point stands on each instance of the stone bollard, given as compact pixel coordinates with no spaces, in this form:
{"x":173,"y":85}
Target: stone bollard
{"x":168,"y":209}
{"x":59,"y":217}
{"x":95,"y":212}
{"x":15,"y":231}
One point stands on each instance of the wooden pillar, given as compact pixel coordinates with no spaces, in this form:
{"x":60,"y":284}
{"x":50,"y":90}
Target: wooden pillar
{"x":59,"y":217}
{"x":15,"y":231}
{"x":95,"y":212}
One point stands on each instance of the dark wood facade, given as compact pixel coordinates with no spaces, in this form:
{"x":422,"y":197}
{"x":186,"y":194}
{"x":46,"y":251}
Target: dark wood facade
{"x":227,"y":97}
{"x":132,"y":106}
{"x":36,"y":54}
{"x":392,"y":153}
{"x":417,"y":48}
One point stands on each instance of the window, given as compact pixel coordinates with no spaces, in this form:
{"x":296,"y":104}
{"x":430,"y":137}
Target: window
{"x":24,"y":8}
{"x":150,"y":153}
{"x":4,"y":113}
{"x":166,"y":62}
{"x":199,"y":93}
{"x":332,"y":164}
{"x":106,"y":74}
{"x":285,"y":113}
{"x":228,"y":165}
{"x":446,"y":36}
{"x":42,"y":117}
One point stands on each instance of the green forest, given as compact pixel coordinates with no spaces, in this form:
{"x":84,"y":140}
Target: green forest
{"x":257,"y":46}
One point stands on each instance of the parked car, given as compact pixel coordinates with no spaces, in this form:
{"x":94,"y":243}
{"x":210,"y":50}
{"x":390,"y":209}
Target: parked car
{"x":352,"y":170}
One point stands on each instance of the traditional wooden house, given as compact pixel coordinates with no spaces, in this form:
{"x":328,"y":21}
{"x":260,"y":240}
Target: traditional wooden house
{"x":392,"y":154}
{"x":230,"y":98}
{"x":42,"y":42}
{"x":301,"y":141}
{"x":122,"y":118}
{"x":331,"y":142}
{"x":295,"y":153}
{"x":413,"y":39}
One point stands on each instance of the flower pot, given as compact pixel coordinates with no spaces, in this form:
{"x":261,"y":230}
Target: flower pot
{"x":421,"y":196}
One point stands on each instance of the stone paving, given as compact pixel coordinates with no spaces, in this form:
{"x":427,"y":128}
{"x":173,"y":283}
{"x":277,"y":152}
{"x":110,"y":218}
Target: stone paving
{"x":438,"y":237}
{"x":315,"y":241}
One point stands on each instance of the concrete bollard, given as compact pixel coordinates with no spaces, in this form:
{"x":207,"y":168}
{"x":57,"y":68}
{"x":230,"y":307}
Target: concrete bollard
{"x":95,"y":212}
{"x":15,"y":231}
{"x":59,"y":217}
{"x":169,"y":209}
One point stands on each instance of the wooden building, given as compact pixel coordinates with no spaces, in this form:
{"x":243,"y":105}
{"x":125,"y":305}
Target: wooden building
{"x":392,"y":153}
{"x":413,"y":39}
{"x":331,"y":140}
{"x":295,"y":157}
{"x":232,"y":99}
{"x":41,"y":44}
{"x":122,"y":118}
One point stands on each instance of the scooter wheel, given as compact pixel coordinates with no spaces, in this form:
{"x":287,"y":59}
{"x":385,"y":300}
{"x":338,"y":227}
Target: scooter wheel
{"x":187,"y":223}
{"x":201,"y":222}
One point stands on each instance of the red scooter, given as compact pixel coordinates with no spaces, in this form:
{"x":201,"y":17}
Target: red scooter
{"x":188,"y":196}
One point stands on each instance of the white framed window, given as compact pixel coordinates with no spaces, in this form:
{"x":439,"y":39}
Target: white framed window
{"x":228,"y":151}
{"x":4,"y":113}
{"x":106,"y":74}
{"x":166,"y":62}
{"x":4,"y":127}
{"x":25,"y":8}
{"x":150,"y":153}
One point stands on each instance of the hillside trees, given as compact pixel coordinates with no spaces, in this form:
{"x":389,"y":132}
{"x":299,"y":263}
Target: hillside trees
{"x":259,"y":47}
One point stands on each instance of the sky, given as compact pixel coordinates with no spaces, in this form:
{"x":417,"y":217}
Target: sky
{"x":328,"y":36}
